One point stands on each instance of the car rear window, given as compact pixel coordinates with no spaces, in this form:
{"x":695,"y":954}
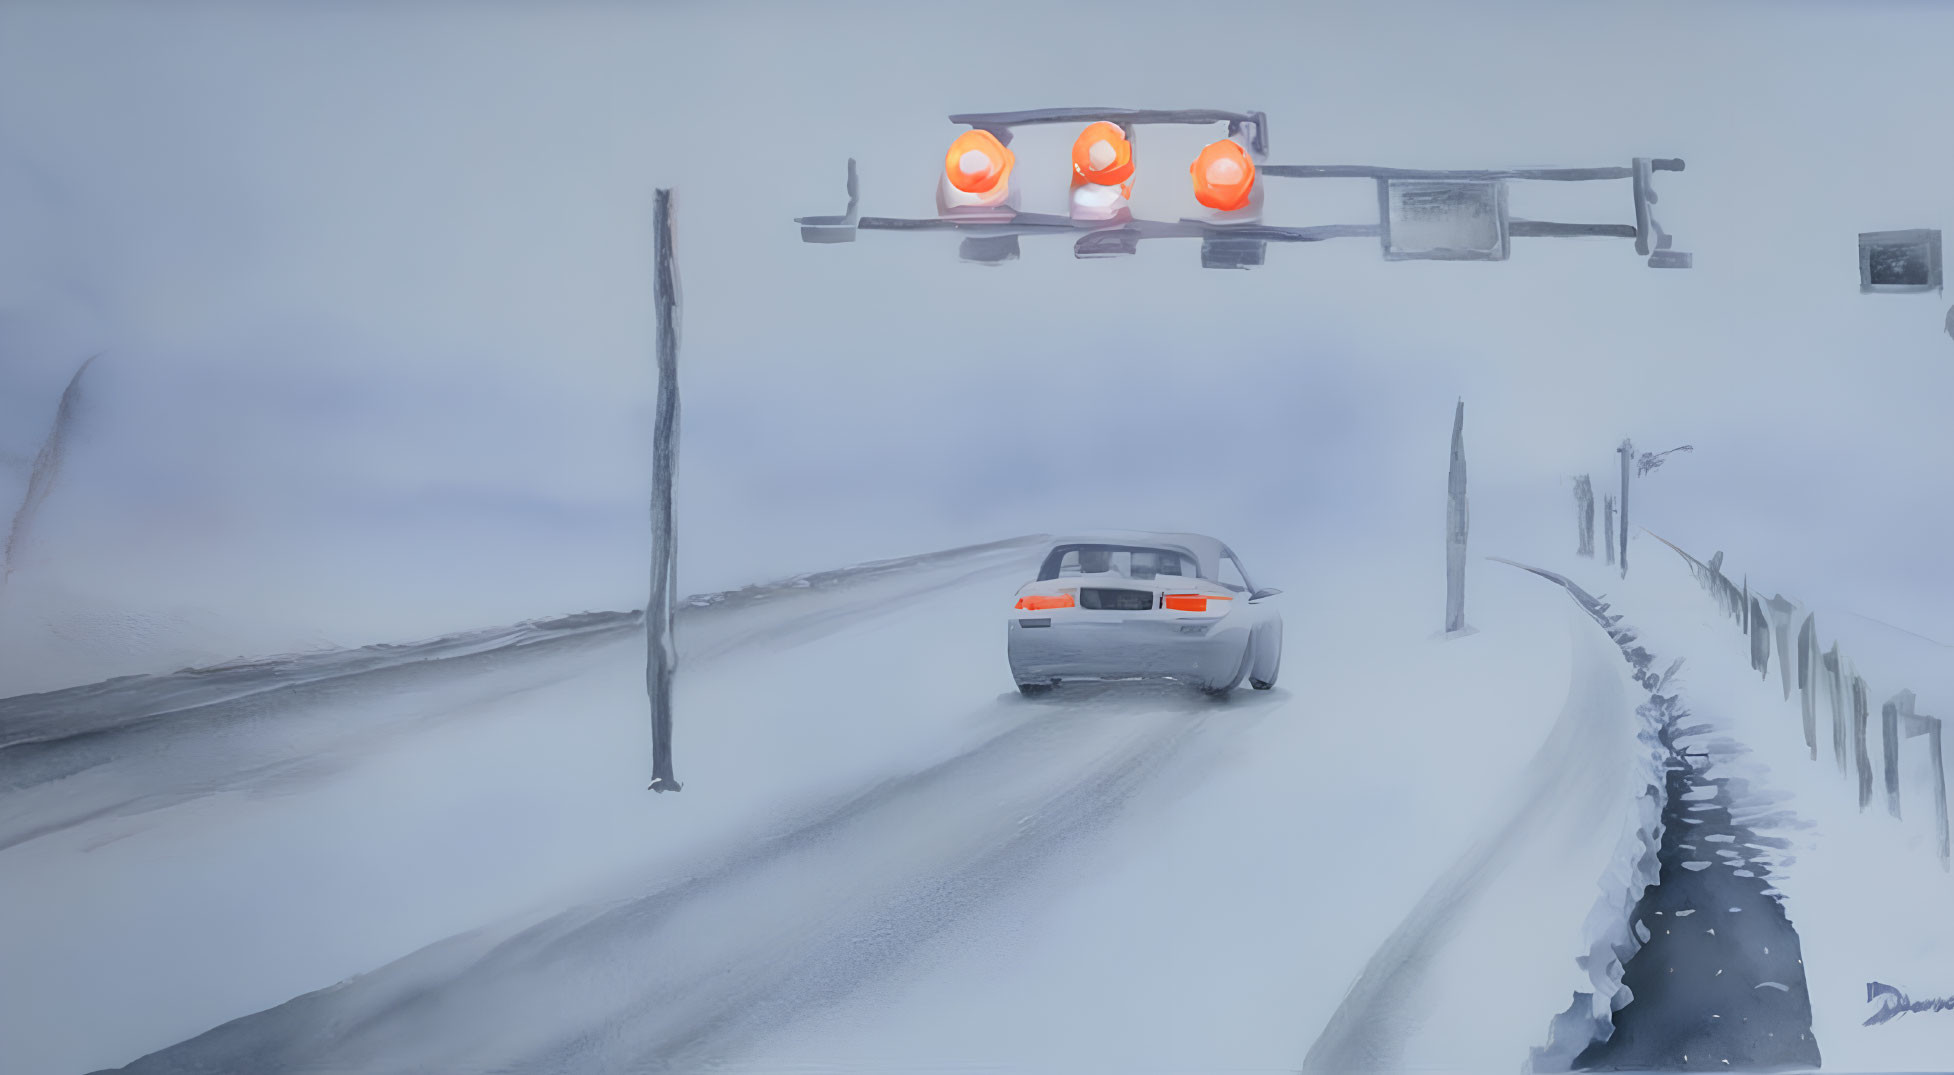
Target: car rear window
{"x":1116,"y":561}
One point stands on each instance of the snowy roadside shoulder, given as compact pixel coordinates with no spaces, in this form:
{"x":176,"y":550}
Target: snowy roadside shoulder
{"x":1544,"y":898}
{"x":1609,"y":934}
{"x":1866,"y":890}
{"x":1726,"y":988}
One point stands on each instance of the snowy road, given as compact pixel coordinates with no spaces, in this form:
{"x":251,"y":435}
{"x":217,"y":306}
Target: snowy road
{"x":883,"y":856}
{"x":694,"y":971}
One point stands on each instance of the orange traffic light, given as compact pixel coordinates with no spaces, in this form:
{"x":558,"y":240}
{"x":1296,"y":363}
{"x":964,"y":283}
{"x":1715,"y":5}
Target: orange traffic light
{"x":977,"y":163}
{"x":1224,"y":176}
{"x":1102,"y":156}
{"x":1102,"y":172}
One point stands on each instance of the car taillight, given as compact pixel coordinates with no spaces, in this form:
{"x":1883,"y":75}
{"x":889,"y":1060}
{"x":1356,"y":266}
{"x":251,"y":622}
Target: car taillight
{"x":1034,"y":602}
{"x":1189,"y":602}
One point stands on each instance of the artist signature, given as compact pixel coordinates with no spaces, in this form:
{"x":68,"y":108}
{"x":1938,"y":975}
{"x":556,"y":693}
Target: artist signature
{"x":1896,"y":1003}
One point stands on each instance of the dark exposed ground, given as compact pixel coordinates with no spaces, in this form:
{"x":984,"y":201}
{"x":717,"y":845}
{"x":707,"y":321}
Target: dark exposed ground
{"x":1719,"y":983}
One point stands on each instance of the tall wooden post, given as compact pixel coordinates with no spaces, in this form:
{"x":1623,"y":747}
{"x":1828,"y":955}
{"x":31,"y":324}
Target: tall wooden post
{"x":1836,"y":694}
{"x":1864,"y":761}
{"x":1808,"y":681}
{"x":1781,"y":612}
{"x":1915,"y":724}
{"x":1456,"y":523}
{"x":1760,"y":640}
{"x":1627,"y":451}
{"x":1940,"y":789}
{"x":1584,"y":515}
{"x":1890,"y":714}
{"x":661,"y":655}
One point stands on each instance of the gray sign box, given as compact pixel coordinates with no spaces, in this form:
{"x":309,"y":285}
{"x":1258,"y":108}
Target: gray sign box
{"x":1443,"y":220}
{"x":1899,"y":261}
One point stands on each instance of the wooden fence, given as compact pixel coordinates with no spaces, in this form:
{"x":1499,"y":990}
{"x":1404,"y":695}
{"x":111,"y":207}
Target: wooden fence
{"x":1827,"y":676}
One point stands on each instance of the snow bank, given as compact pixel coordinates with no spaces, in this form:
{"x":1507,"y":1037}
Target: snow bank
{"x":1609,"y":934}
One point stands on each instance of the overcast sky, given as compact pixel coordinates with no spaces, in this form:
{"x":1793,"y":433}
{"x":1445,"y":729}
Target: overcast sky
{"x":372,"y":289}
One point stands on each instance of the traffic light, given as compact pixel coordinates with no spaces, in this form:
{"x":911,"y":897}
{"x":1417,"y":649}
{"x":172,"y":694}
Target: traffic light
{"x":1102,"y":172}
{"x":1225,"y":183}
{"x":976,"y":176}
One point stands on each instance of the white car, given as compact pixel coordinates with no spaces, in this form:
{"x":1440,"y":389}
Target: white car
{"x":1132,"y":605}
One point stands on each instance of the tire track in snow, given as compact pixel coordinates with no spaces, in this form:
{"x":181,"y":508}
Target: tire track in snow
{"x":682,"y":977}
{"x":1385,"y":1007}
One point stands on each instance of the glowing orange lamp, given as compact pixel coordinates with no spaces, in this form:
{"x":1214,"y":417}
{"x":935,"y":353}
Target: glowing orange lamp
{"x":977,"y":163}
{"x":1224,"y":176}
{"x":1103,"y":156}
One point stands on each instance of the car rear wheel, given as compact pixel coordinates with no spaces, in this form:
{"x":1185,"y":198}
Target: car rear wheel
{"x":1269,"y":683}
{"x":1031,"y":690}
{"x":1221,"y":691}
{"x":1270,"y":646}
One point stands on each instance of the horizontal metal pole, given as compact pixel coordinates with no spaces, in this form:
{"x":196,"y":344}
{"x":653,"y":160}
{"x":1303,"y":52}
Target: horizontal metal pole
{"x":1367,"y":171}
{"x":1003,"y":121}
{"x":1122,"y":115}
{"x":1023,"y":224}
{"x":1042,"y":224}
{"x":1045,"y":223}
{"x":1284,"y":235}
{"x":1544,"y":229}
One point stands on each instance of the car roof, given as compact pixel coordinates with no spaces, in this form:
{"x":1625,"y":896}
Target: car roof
{"x":1207,"y":551}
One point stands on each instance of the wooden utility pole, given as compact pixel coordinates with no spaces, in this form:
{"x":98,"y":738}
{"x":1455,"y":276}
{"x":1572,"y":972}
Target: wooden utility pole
{"x":1608,"y":525}
{"x":1627,"y":451}
{"x":661,"y":655}
{"x":1584,"y":515}
{"x":1456,"y":523}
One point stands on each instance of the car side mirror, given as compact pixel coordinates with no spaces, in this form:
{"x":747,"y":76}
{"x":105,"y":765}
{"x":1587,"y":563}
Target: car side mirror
{"x":1260,"y":594}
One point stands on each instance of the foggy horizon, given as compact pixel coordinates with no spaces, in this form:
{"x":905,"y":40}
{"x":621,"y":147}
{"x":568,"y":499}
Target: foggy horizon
{"x":372,"y":294}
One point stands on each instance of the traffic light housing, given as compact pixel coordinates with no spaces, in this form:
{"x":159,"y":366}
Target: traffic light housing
{"x":1102,"y":173}
{"x":1229,"y":189}
{"x":976,"y":176}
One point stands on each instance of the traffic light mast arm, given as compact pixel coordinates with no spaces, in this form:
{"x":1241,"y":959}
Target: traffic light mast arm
{"x":1547,"y":229}
{"x":1000,"y":123}
{"x":1121,"y":235}
{"x":1366,"y":171}
{"x":1046,"y":224}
